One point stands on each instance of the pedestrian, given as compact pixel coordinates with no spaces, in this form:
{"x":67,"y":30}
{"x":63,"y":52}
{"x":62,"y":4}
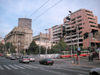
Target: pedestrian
{"x":89,"y":58}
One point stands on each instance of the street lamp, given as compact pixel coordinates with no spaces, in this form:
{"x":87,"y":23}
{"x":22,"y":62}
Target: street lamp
{"x":69,"y":19}
{"x":46,"y":43}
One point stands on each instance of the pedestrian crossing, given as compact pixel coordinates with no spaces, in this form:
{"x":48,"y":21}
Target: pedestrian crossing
{"x":10,"y":67}
{"x":16,"y":66}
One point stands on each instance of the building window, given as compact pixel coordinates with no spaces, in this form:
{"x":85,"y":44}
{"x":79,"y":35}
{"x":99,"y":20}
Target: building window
{"x":74,"y":22}
{"x":92,"y":22}
{"x":93,"y":26}
{"x":90,"y":18}
{"x":90,"y":15}
{"x":79,"y":17}
{"x":73,"y":19}
{"x":79,"y":20}
{"x":79,"y":24}
{"x":88,"y":11}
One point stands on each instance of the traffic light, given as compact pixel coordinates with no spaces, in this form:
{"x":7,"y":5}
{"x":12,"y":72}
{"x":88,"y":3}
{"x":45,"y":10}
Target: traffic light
{"x":68,"y":18}
{"x":64,"y":31}
{"x":78,"y":52}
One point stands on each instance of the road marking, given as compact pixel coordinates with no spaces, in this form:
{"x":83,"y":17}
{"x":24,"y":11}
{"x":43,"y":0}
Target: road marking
{"x":19,"y":66}
{"x":26,"y":66}
{"x":1,"y":68}
{"x":13,"y":67}
{"x":7,"y":67}
{"x":32,"y":66}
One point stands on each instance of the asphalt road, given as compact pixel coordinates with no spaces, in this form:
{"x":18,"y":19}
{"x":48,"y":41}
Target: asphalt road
{"x":60,"y":67}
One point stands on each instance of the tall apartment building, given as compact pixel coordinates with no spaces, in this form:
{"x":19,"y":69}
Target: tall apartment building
{"x":42,"y":40}
{"x":21,"y":36}
{"x":81,"y":29}
{"x":55,"y":34}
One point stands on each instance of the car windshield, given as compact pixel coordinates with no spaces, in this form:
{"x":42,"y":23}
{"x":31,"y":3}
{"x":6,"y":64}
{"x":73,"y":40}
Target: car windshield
{"x":48,"y":59}
{"x":24,"y":57}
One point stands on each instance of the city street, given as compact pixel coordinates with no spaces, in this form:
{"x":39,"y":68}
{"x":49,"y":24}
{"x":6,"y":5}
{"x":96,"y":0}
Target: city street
{"x":60,"y":67}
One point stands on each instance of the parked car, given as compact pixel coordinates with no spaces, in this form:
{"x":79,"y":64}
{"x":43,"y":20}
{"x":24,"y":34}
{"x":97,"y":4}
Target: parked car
{"x":13,"y":58}
{"x":1,"y":54}
{"x":17,"y":57}
{"x":46,"y":61}
{"x":24,"y":59}
{"x":95,"y":71}
{"x":32,"y":59}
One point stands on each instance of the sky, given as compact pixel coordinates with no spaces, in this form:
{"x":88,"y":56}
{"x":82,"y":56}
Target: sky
{"x":11,"y":10}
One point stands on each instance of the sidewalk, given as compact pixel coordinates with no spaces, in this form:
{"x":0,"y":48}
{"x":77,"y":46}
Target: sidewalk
{"x":84,"y":62}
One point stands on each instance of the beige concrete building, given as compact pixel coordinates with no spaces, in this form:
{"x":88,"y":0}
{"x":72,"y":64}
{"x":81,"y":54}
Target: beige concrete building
{"x":21,"y":36}
{"x":42,"y":40}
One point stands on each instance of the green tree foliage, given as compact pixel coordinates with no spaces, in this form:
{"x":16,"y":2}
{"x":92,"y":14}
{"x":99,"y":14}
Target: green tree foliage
{"x":33,"y":48}
{"x":10,"y":48}
{"x":43,"y":49}
{"x":59,"y":47}
{"x":1,"y":48}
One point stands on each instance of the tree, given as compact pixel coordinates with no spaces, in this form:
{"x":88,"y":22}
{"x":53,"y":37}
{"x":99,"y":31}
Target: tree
{"x":59,"y":47}
{"x":33,"y":48}
{"x":1,"y":48}
{"x":10,"y":48}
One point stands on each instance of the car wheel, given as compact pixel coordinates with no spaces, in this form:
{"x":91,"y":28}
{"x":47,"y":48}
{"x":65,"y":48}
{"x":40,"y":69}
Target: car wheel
{"x":95,"y":73}
{"x":51,"y":64}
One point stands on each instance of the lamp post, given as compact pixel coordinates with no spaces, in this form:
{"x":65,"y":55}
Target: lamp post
{"x":46,"y":43}
{"x":69,"y":19}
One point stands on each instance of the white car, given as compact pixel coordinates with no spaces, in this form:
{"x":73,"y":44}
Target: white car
{"x":95,"y":71}
{"x":24,"y":60}
{"x":32,"y":59}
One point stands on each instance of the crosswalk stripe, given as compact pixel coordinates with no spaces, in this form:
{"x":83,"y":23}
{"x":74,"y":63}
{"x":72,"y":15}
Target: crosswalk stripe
{"x":31,"y":66}
{"x":13,"y":67}
{"x":19,"y":66}
{"x":7,"y":67}
{"x":26,"y":66}
{"x":1,"y":68}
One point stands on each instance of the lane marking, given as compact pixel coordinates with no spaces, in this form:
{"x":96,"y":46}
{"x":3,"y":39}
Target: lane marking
{"x":25,"y":66}
{"x":7,"y":67}
{"x":19,"y":66}
{"x":13,"y":66}
{"x":32,"y":66}
{"x":1,"y":68}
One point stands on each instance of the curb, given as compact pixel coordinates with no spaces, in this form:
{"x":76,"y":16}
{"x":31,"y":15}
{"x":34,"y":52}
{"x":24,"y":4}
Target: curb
{"x":90,"y":66}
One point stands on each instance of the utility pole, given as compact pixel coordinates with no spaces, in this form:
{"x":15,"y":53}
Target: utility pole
{"x":78,"y":48}
{"x":40,"y":44}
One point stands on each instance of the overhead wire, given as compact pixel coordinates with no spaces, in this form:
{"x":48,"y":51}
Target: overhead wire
{"x":39,"y":8}
{"x":47,"y":10}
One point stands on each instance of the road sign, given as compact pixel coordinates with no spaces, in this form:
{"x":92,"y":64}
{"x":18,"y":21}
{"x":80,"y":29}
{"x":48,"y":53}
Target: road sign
{"x":79,"y":49}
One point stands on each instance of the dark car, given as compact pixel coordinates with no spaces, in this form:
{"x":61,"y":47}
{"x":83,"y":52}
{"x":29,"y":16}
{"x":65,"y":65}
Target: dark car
{"x":95,"y":71}
{"x":24,"y":59}
{"x":13,"y":58}
{"x":46,"y":61}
